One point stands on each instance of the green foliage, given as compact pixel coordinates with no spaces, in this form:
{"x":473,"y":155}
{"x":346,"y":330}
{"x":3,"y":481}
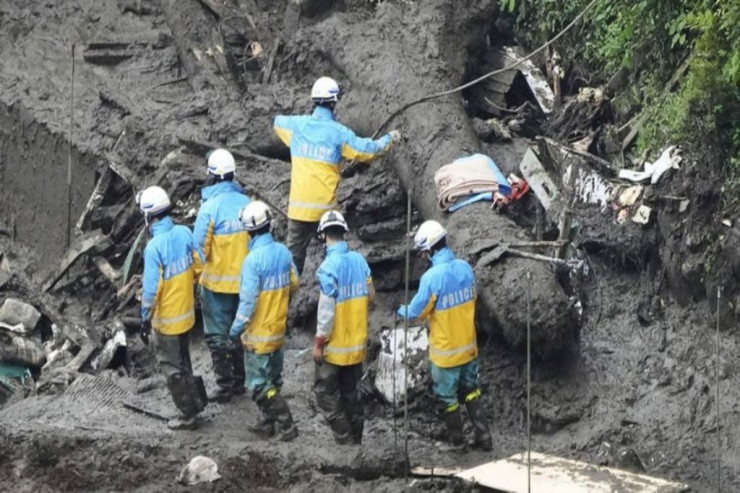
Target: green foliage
{"x":651,"y":39}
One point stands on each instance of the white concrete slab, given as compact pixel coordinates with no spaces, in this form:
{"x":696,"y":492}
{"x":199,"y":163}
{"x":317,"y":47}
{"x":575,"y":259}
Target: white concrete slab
{"x":551,"y":474}
{"x":392,"y":350}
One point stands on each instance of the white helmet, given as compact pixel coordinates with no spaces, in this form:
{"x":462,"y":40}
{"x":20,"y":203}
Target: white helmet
{"x":325,"y":90}
{"x":429,"y":234}
{"x":255,"y":215}
{"x":332,"y":218}
{"x":152,"y":201}
{"x":221,"y":162}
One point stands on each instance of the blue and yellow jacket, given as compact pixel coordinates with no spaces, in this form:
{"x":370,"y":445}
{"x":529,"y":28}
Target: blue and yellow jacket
{"x":168,"y":298}
{"x":317,"y":144}
{"x":268,"y":277}
{"x":346,"y":290}
{"x":220,"y":237}
{"x":447,"y":298}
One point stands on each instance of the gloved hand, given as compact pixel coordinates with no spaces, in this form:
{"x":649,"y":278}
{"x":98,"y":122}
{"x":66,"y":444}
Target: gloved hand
{"x":145,"y":331}
{"x":318,"y":350}
{"x":395,"y":136}
{"x":401,"y":312}
{"x":236,"y":331}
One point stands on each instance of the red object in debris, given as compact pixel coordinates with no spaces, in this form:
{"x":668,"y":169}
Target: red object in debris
{"x":519,"y":188}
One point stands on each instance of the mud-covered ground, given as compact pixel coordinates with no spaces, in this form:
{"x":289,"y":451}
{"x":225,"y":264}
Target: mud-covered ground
{"x":640,"y":383}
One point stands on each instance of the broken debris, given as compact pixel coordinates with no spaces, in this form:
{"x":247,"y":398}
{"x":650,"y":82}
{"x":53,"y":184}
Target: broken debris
{"x":15,"y":312}
{"x":669,"y":159}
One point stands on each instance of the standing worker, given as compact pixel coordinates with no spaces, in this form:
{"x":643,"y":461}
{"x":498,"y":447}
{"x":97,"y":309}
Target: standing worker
{"x":167,"y":303}
{"x":341,"y":331}
{"x":268,"y":277}
{"x":447,"y":298}
{"x":317,"y":145}
{"x":222,"y":244}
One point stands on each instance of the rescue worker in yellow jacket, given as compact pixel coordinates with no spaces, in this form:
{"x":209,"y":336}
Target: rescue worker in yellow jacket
{"x":222,"y":244}
{"x":446,"y":298}
{"x":346,"y":291}
{"x":167,"y":303}
{"x":317,"y":145}
{"x":268,"y":277}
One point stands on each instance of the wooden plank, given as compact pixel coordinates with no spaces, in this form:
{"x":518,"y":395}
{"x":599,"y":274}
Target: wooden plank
{"x":551,"y":474}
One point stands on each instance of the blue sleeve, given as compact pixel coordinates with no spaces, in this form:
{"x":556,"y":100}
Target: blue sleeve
{"x":201,"y":231}
{"x":249,"y":291}
{"x":327,"y":281}
{"x":422,"y":304}
{"x":284,"y":127}
{"x":150,"y":283}
{"x":362,"y":149}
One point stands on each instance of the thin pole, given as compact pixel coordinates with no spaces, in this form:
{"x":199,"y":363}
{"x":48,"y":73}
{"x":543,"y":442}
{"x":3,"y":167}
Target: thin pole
{"x":69,"y":151}
{"x":719,"y":442}
{"x":406,"y":340}
{"x":529,"y":384}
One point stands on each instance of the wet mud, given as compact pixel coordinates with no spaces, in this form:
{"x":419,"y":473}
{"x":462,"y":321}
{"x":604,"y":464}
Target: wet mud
{"x":631,"y":384}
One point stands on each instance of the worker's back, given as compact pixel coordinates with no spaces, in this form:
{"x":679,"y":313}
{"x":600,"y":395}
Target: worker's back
{"x":317,"y":145}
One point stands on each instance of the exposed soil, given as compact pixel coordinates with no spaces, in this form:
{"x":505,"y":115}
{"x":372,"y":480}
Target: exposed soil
{"x":632,"y":385}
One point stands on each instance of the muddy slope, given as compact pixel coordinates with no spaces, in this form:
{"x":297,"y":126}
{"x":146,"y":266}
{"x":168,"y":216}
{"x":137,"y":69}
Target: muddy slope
{"x":635,"y":382}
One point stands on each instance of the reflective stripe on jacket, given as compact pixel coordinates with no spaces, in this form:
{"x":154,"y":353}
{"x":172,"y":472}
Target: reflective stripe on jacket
{"x":345,"y":276}
{"x":167,"y":297}
{"x":447,"y":298}
{"x":317,"y":145}
{"x":268,"y":277}
{"x":220,"y":237}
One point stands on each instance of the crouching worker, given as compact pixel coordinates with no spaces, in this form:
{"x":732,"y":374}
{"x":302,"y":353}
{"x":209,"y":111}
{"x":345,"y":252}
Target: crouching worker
{"x":167,"y":304}
{"x":446,"y":298}
{"x":267,"y":280}
{"x":341,"y":331}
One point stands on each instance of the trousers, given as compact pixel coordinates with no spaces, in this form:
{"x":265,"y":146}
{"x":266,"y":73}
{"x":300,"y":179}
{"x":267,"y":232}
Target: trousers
{"x":300,"y":234}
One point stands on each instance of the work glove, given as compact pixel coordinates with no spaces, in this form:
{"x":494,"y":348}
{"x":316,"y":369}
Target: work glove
{"x":145,"y":331}
{"x":395,"y":136}
{"x":235,"y":333}
{"x":318,"y":350}
{"x":402,"y":310}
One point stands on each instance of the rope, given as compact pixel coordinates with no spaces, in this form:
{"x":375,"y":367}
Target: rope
{"x":719,"y":438}
{"x":529,"y":384}
{"x":69,"y":151}
{"x":406,"y":341}
{"x":488,"y":75}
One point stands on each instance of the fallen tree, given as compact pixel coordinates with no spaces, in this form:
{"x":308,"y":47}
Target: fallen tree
{"x":383,"y":78}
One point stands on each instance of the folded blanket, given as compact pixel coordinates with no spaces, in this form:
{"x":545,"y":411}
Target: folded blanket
{"x":471,"y":175}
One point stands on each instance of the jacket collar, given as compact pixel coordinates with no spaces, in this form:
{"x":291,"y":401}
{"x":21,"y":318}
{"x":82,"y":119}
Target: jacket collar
{"x":219,"y":188}
{"x":443,"y":256}
{"x":337,"y":248}
{"x":259,"y":241}
{"x":322,"y":113}
{"x":162,"y":226}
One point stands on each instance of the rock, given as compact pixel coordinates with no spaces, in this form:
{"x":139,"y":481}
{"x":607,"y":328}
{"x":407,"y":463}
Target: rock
{"x":628,"y":460}
{"x":200,"y":469}
{"x":22,"y":351}
{"x":14,"y":312}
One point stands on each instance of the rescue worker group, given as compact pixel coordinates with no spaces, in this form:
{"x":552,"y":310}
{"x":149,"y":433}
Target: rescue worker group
{"x":246,"y":277}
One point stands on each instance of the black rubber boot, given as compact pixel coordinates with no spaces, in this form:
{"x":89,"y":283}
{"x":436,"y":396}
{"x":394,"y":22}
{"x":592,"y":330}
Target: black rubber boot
{"x":284,"y":426}
{"x":183,"y":395}
{"x":238,"y":372}
{"x":480,"y":425}
{"x":265,"y":427}
{"x":224,"y":377}
{"x":342,"y":430}
{"x":454,"y":431}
